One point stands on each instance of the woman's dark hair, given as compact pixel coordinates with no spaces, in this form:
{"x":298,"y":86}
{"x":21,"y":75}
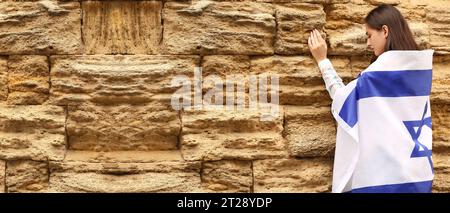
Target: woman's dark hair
{"x":400,"y":36}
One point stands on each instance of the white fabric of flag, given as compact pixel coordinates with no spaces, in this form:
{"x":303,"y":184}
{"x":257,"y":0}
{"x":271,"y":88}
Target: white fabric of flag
{"x":384,"y":134}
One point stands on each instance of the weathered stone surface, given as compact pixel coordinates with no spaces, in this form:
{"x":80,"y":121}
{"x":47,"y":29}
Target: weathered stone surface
{"x":346,"y":31}
{"x":415,"y":12}
{"x":40,"y":27}
{"x":118,"y":79}
{"x":421,"y":33}
{"x":441,"y":126}
{"x":170,"y":175}
{"x":294,"y":22}
{"x":123,"y":156}
{"x":441,"y":182}
{"x":2,"y":176}
{"x":375,"y":2}
{"x":293,"y":1}
{"x":231,"y":134}
{"x":151,"y":179}
{"x":350,"y":40}
{"x":230,"y":73}
{"x":28,"y":79}
{"x":129,"y":94}
{"x":3,"y":78}
{"x":122,"y":127}
{"x":356,"y":10}
{"x":346,"y":12}
{"x":32,"y":132}
{"x":208,"y":27}
{"x":86,"y":89}
{"x":299,"y":77}
{"x":125,"y":27}
{"x":292,"y":175}
{"x":441,"y":80}
{"x":359,"y":63}
{"x":227,"y":176}
{"x":26,"y":176}
{"x":302,"y":125}
{"x":438,"y":20}
{"x":223,"y":65}
{"x":300,"y":81}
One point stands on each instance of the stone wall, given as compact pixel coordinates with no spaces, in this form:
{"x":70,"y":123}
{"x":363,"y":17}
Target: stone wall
{"x":85,"y":90}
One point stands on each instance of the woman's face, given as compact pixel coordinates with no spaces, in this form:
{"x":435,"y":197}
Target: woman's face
{"x":376,"y":39}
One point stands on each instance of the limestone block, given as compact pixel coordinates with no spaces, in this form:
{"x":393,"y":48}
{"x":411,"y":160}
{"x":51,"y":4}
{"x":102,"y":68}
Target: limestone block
{"x":26,"y":176}
{"x":227,"y":176}
{"x":116,"y":79}
{"x":80,"y":174}
{"x":40,"y":27}
{"x":440,"y":114}
{"x":209,"y":27}
{"x":441,"y":182}
{"x":28,"y":79}
{"x":294,"y":24}
{"x":299,"y":77}
{"x":33,"y":132}
{"x":122,"y":127}
{"x":3,"y":78}
{"x":2,"y":176}
{"x":441,"y":80}
{"x":438,"y":20}
{"x":346,"y":31}
{"x":293,"y":175}
{"x":310,"y":131}
{"x":231,"y":134}
{"x":122,"y":27}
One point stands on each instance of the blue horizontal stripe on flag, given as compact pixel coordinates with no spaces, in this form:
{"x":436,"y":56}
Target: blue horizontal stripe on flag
{"x":415,"y":187}
{"x":385,"y":84}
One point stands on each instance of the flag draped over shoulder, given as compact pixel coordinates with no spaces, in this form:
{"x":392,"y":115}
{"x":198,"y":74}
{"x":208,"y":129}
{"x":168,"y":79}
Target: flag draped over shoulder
{"x":384,"y":136}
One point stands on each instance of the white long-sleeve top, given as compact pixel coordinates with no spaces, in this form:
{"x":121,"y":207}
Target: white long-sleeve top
{"x":332,"y":80}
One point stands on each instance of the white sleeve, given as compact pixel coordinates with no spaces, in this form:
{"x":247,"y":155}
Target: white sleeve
{"x":332,"y":81}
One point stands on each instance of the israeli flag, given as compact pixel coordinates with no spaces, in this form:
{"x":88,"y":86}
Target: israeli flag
{"x":384,"y":136}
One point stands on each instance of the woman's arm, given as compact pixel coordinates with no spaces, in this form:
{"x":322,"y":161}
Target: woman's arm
{"x":318,"y":47}
{"x":332,"y":80}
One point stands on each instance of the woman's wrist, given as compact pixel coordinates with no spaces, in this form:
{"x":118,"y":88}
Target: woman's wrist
{"x":320,"y":58}
{"x":324,"y":64}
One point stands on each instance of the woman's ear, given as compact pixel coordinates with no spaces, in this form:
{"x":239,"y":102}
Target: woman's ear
{"x":385,"y":30}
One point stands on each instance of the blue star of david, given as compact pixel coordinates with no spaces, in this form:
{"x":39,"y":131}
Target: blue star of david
{"x":416,"y":134}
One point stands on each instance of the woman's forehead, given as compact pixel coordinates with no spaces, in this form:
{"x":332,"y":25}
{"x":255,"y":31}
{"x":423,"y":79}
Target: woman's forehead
{"x":367,"y":28}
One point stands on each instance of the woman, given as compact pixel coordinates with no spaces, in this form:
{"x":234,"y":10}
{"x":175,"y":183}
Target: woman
{"x":384,"y":122}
